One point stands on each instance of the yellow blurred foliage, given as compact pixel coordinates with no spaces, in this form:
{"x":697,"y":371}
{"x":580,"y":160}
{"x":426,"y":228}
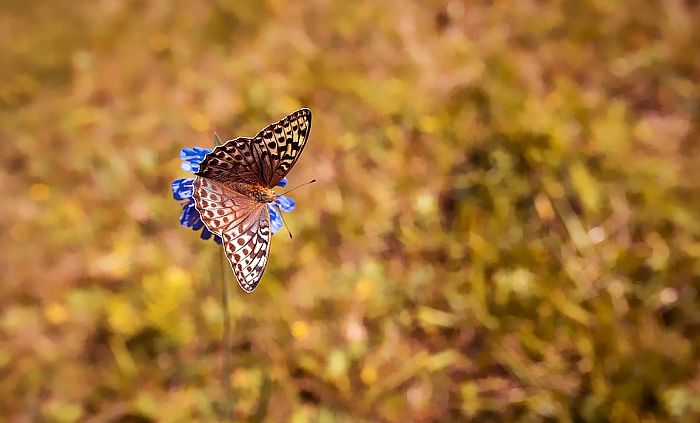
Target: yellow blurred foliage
{"x":504,"y":228}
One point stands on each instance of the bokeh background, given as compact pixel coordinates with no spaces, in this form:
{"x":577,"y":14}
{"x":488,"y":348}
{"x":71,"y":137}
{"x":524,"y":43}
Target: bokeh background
{"x":505,"y":228}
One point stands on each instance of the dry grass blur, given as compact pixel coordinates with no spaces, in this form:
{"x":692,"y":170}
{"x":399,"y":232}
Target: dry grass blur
{"x":506,"y":224}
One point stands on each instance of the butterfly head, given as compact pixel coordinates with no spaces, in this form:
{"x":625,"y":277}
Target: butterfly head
{"x":265,"y":194}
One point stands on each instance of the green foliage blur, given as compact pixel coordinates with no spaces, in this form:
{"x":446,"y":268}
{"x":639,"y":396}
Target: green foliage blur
{"x":505,"y":228}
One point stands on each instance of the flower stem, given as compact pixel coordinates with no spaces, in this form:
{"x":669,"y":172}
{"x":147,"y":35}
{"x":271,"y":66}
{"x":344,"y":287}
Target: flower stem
{"x":227,"y":338}
{"x":227,"y":344}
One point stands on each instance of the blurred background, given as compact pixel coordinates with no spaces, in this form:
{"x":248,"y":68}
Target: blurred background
{"x":505,"y":226}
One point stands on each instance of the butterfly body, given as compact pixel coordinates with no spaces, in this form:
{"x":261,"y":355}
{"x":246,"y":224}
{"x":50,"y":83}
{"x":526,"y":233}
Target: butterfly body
{"x":257,"y":193}
{"x":234,"y":186}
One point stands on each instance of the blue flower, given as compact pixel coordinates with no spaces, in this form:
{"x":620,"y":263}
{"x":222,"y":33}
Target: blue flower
{"x":183,"y":190}
{"x":192,"y":157}
{"x":284,"y":203}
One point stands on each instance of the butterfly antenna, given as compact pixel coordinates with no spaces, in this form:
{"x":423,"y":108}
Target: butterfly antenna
{"x":299,"y":186}
{"x":217,"y":140}
{"x":283,"y":221}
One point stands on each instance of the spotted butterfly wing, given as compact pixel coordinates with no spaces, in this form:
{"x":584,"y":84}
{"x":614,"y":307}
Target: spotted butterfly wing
{"x":241,"y":222}
{"x":243,"y":225}
{"x":264,"y":159}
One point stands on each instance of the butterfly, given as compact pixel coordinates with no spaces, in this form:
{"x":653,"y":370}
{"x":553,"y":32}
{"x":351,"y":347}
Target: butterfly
{"x":234,"y":184}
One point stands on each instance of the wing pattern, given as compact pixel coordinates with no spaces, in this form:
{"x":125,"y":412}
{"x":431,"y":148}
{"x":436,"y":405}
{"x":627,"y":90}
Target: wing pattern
{"x":243,"y":224}
{"x":264,"y":159}
{"x":285,"y":140}
{"x":248,"y":251}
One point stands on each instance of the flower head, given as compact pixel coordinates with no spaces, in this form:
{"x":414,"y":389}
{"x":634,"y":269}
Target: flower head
{"x":183,"y":190}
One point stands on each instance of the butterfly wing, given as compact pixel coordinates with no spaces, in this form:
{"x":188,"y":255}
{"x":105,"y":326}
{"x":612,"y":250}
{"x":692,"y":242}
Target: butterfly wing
{"x":264,"y":159}
{"x":284,"y":141}
{"x":248,"y":250}
{"x":243,"y":225}
{"x":240,"y":159}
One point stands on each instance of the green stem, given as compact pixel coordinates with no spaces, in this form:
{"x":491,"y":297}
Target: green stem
{"x":227,"y":344}
{"x":228,"y":336}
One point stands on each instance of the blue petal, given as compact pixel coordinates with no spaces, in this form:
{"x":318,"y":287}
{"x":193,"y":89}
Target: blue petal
{"x":183,"y":220}
{"x":186,"y":213}
{"x":193,"y":155}
{"x":192,"y":219}
{"x":273,"y":212}
{"x":190,"y":215}
{"x":283,"y":182}
{"x":182,"y":189}
{"x":202,"y":151}
{"x":275,"y":219}
{"x":189,"y":167}
{"x":286,"y":204}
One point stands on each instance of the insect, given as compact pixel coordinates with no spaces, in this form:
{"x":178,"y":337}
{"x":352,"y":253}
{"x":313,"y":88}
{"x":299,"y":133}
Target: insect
{"x":234,"y":184}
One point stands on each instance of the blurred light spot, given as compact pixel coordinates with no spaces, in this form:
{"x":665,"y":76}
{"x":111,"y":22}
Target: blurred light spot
{"x":679,"y":400}
{"x":334,"y":199}
{"x":597,"y":234}
{"x":355,"y":331}
{"x":544,"y":207}
{"x":519,"y":281}
{"x":178,"y":277}
{"x":212,"y":313}
{"x":146,"y":404}
{"x":58,"y":410}
{"x":337,"y":364}
{"x":569,"y":308}
{"x":429,"y":124}
{"x":300,"y":329}
{"x":470,"y":398}
{"x":158,"y":42}
{"x":240,"y":378}
{"x":39,"y":192}
{"x":122,"y":356}
{"x":363,"y":289}
{"x":348,"y":141}
{"x":74,"y":211}
{"x":368,"y":375}
{"x":425,"y":204}
{"x":122,"y":316}
{"x":660,"y":252}
{"x":668,"y":296}
{"x":199,"y":122}
{"x":417,"y":395}
{"x":56,"y":313}
{"x":616,"y":289}
{"x":434,"y":317}
{"x":139,"y":210}
{"x":643,"y":131}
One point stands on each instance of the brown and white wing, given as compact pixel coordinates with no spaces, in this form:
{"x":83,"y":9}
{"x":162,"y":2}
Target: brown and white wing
{"x":248,"y":250}
{"x":284,"y":141}
{"x":264,"y":159}
{"x":243,"y":225}
{"x":238,"y":160}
